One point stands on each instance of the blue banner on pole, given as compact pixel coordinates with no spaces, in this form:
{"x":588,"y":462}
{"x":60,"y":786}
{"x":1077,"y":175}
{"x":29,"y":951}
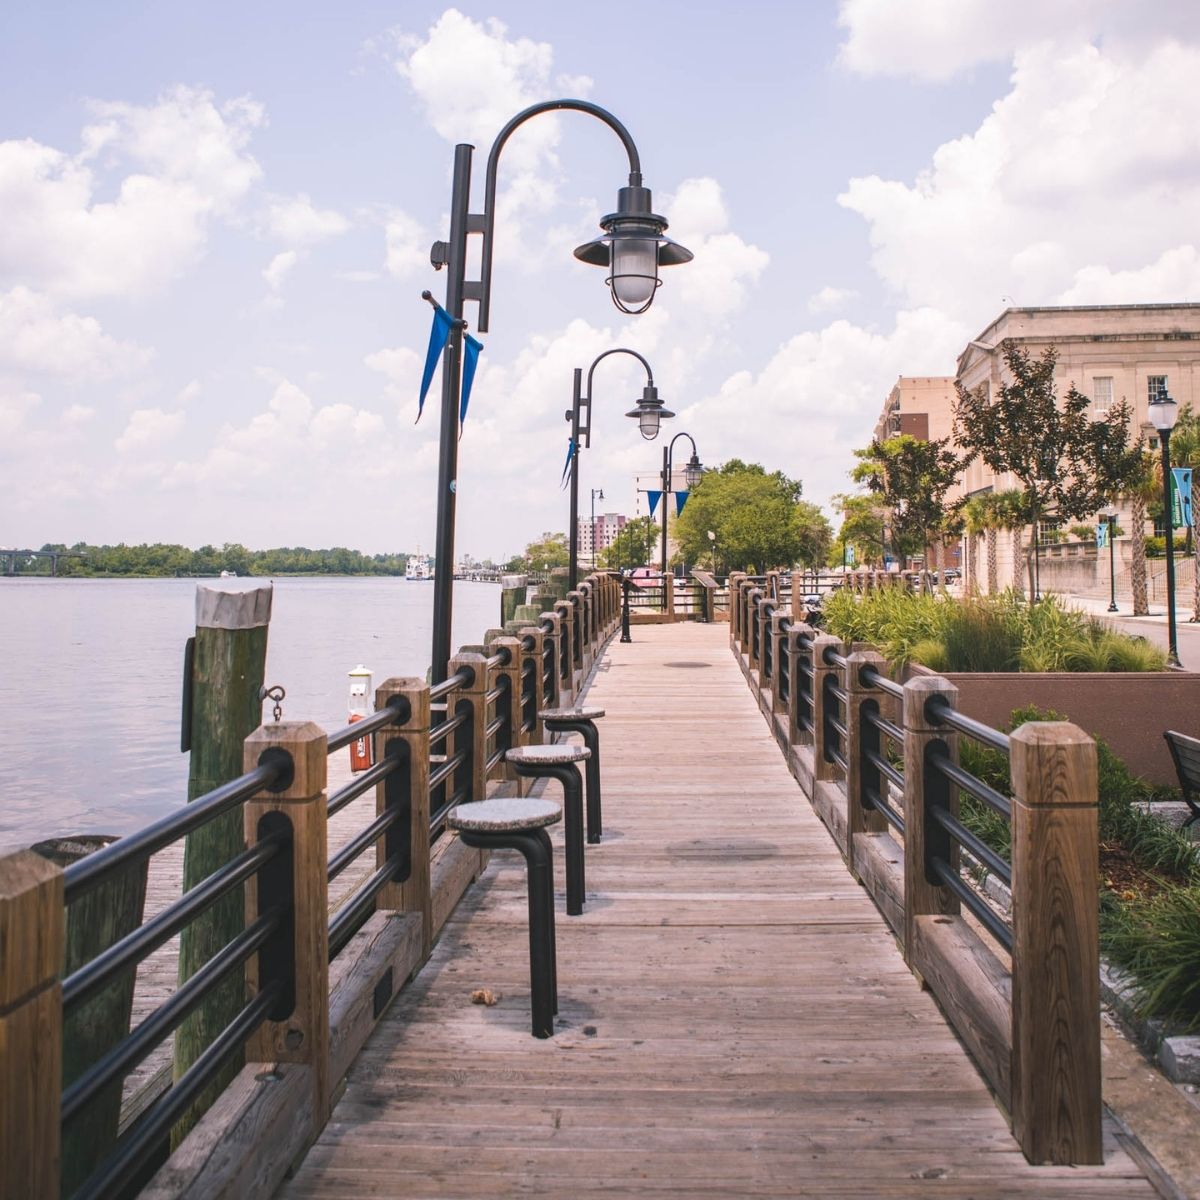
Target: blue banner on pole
{"x":681,"y":498}
{"x":654,"y":498}
{"x":567,"y":465}
{"x":438,"y":336}
{"x":1102,"y":535}
{"x":1182,"y":497}
{"x":470,"y":362}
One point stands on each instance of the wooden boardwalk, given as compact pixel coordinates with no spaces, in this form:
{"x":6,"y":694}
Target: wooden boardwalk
{"x":735,"y":1018}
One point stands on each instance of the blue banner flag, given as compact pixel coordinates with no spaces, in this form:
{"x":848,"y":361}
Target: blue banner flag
{"x":470,"y":362}
{"x":567,"y":464}
{"x":681,"y":498}
{"x":437,"y":343}
{"x":1101,"y":535}
{"x":654,"y":498}
{"x":1181,"y":510}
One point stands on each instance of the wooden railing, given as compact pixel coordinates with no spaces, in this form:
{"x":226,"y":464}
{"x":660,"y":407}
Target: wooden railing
{"x":879,"y":761}
{"x":315,"y":984}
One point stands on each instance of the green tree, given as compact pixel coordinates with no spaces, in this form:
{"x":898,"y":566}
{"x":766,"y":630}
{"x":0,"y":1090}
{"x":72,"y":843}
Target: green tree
{"x":548,"y":551}
{"x":633,"y":546}
{"x":911,"y":478}
{"x":863,"y":527}
{"x":1065,"y":462}
{"x":758,"y":517}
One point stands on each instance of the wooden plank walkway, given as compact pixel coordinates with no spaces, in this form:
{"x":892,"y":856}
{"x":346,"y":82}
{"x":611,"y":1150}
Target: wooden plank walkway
{"x":735,"y":1018}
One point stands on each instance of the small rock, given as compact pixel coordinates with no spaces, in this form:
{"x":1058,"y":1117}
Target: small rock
{"x":485,"y":996}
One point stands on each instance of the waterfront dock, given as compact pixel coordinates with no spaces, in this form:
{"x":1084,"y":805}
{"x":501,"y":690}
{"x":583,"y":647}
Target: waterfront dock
{"x":774,"y":988}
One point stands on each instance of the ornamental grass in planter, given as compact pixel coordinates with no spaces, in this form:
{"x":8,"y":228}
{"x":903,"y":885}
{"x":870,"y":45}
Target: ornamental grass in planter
{"x":986,"y":634}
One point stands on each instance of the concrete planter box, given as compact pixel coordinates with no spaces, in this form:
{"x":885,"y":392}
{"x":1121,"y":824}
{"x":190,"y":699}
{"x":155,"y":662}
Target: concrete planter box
{"x":1129,"y":711}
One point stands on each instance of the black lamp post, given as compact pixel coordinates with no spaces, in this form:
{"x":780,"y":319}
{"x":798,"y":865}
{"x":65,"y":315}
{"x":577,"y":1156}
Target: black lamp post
{"x":692,"y":474}
{"x":632,"y":247}
{"x":648,"y":412}
{"x":1110,"y":519}
{"x":1163,"y":411}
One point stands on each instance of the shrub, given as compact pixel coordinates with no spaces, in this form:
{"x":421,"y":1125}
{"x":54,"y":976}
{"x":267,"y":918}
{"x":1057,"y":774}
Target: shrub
{"x":932,"y":654}
{"x":1158,"y":941}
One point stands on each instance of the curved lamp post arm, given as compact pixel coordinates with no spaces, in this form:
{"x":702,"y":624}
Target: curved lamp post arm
{"x":485,"y":222}
{"x":671,"y":447}
{"x":617,"y":350}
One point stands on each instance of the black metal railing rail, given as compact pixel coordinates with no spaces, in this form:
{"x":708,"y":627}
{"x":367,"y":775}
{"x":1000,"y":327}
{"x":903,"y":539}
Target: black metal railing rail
{"x":141,"y":1141}
{"x":834,"y":705}
{"x":529,"y":677}
{"x":784,"y":670}
{"x":766,"y":642}
{"x":803,"y":708}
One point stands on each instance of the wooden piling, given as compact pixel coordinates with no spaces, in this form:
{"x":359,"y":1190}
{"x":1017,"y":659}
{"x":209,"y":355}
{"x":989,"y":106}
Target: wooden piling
{"x":227,"y":678}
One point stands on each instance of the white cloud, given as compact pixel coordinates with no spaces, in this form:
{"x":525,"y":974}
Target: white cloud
{"x":820,"y":395}
{"x":15,"y":406}
{"x":298,"y":222}
{"x":402,"y":368}
{"x":277,"y":269}
{"x":188,"y":393}
{"x":716,"y":281}
{"x":407,"y":245}
{"x":35,"y":337}
{"x":1061,"y":173}
{"x":830,"y":299}
{"x":1174,"y":275}
{"x":935,"y":40}
{"x":470,"y":78}
{"x":176,"y":164}
{"x":147,"y":429}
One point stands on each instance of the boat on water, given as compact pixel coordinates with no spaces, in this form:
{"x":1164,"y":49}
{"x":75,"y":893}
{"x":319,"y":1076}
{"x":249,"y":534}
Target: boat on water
{"x":419,"y":567}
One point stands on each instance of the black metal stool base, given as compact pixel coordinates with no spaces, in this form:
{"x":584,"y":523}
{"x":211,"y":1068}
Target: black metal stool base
{"x":591,"y":739}
{"x":534,"y":844}
{"x":568,"y":775}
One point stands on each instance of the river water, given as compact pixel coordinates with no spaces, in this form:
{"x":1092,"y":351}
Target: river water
{"x":91,"y":678}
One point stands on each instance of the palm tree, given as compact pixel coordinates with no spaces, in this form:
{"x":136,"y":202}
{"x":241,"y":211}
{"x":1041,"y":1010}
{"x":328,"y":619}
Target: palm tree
{"x":977,"y":520}
{"x":1143,"y":488}
{"x":1008,"y":510}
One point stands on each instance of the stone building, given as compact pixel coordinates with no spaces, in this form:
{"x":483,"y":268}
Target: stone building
{"x":1108,"y":352}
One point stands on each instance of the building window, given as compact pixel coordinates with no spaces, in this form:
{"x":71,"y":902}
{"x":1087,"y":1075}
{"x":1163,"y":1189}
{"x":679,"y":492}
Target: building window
{"x":1102,"y":393}
{"x":1156,"y":385}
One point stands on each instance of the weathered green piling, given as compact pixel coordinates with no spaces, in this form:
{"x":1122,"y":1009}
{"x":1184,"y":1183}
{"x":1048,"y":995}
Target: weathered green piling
{"x":228,"y":664}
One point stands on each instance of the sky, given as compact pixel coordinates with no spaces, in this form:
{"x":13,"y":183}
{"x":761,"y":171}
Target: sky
{"x":215,"y":224}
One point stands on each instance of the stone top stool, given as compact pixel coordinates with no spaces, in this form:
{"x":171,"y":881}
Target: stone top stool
{"x":558,"y":762}
{"x":582,"y":721}
{"x":519,"y":823}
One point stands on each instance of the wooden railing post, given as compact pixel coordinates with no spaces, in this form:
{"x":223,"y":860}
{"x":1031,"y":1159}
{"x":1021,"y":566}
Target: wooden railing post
{"x":823,"y":769}
{"x":861,"y":815}
{"x":1056,"y":1101}
{"x":472,"y":737}
{"x":409,"y":786}
{"x":512,"y":672}
{"x":32,"y":943}
{"x":796,"y":689}
{"x":922,"y":896}
{"x":734,"y":584}
{"x":566,"y":645}
{"x":300,"y":1035}
{"x":778,"y":656}
{"x":554,"y":636}
{"x":534,"y":656}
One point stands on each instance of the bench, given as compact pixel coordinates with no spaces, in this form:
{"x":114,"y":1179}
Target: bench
{"x":1185,"y":753}
{"x":519,"y":823}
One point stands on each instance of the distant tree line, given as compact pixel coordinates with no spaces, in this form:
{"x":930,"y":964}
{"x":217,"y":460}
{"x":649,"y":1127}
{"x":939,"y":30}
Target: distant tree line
{"x":163,"y":559}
